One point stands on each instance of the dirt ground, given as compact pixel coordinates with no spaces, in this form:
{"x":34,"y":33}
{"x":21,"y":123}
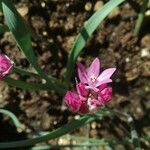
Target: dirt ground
{"x":54,"y":25}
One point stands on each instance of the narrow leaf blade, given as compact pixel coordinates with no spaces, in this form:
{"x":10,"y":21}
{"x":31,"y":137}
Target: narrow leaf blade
{"x":52,"y":135}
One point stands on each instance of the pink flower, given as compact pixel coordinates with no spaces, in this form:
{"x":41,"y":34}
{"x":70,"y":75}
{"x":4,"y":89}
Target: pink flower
{"x":92,"y":91}
{"x":5,"y":65}
{"x":86,"y":100}
{"x":92,"y":77}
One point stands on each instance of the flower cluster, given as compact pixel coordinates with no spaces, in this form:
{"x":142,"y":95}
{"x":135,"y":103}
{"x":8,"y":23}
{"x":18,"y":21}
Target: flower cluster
{"x":92,"y":90}
{"x":5,"y":65}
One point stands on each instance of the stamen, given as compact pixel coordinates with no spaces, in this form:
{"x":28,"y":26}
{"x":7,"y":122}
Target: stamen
{"x":93,"y":78}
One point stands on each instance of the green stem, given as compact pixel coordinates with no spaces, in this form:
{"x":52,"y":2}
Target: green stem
{"x":12,"y":116}
{"x":140,"y":18}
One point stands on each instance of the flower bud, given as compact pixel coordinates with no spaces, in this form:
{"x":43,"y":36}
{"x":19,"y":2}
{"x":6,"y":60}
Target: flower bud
{"x":106,"y":95}
{"x":81,"y":90}
{"x":73,"y":101}
{"x":5,"y":65}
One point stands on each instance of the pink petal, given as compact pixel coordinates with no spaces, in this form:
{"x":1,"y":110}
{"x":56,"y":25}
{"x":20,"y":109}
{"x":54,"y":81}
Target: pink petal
{"x":92,"y":88}
{"x":94,"y":68}
{"x":81,"y":90}
{"x":103,"y":86}
{"x":82,"y":73}
{"x":84,"y":108}
{"x":105,"y":95}
{"x":73,"y":101}
{"x":105,"y":76}
{"x":93,"y":105}
{"x":5,"y":65}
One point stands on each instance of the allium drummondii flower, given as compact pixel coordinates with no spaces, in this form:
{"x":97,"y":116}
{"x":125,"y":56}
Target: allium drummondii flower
{"x":92,"y":91}
{"x":5,"y":65}
{"x":92,"y":76}
{"x":86,"y":100}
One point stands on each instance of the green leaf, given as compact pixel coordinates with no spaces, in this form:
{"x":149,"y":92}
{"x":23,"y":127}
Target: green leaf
{"x":26,"y":73}
{"x":30,"y":86}
{"x":89,"y":27}
{"x":12,"y":116}
{"x":37,"y":76}
{"x":52,"y":135}
{"x":21,"y":33}
{"x":101,"y":141}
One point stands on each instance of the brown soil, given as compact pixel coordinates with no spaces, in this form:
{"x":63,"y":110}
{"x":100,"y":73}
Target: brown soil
{"x":55,"y":25}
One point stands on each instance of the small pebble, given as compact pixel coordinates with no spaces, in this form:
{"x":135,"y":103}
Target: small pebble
{"x":22,"y":128}
{"x":43,"y":81}
{"x":98,"y":5}
{"x":77,"y":117}
{"x":55,"y":122}
{"x":145,"y":42}
{"x":88,"y":6}
{"x":145,"y":52}
{"x":45,"y":121}
{"x":67,"y":5}
{"x":147,"y":13}
{"x":23,"y":10}
{"x":43,"y":4}
{"x":147,"y":89}
{"x":74,"y":142}
{"x":138,"y":110}
{"x":63,"y":141}
{"x":146,"y":69}
{"x":44,"y":33}
{"x":93,"y":125}
{"x":127,"y":59}
{"x":114,"y":13}
{"x":28,"y":130}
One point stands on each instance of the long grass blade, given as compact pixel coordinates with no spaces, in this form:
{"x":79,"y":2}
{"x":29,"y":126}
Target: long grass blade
{"x":52,"y":135}
{"x":30,"y":86}
{"x":37,"y":76}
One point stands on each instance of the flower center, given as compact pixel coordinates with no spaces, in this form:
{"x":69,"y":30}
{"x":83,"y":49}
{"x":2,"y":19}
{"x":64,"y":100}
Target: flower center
{"x":93,"y":78}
